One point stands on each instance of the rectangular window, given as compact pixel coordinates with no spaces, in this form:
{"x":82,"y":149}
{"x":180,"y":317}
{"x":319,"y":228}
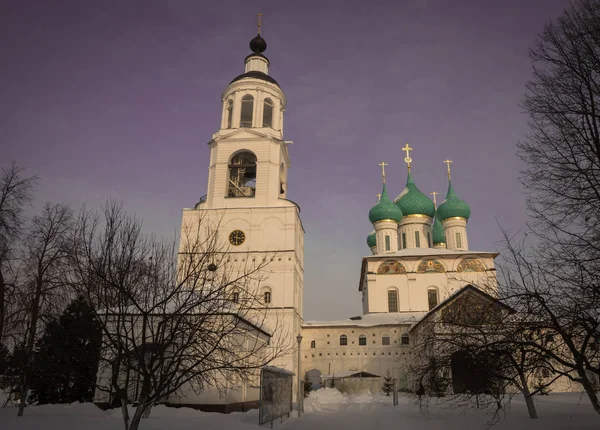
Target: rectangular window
{"x":458,"y":241}
{"x":392,"y":301}
{"x":417,"y":240}
{"x":387,"y":243}
{"x":362,"y":340}
{"x":385,"y":340}
{"x":432,"y":298}
{"x":403,"y":240}
{"x":429,"y":239}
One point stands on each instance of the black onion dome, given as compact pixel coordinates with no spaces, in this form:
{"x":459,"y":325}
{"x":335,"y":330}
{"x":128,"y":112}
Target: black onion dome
{"x":258,"y":45}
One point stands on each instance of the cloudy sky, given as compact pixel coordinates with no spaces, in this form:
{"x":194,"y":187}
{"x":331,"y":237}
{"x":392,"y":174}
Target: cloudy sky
{"x":119,"y":98}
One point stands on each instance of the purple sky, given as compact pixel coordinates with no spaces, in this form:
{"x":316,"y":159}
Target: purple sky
{"x":119,"y":98}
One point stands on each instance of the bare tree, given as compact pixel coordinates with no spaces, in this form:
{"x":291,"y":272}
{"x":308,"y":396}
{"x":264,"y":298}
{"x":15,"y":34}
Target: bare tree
{"x":40,"y":288}
{"x":558,"y":317}
{"x":172,"y":321}
{"x":15,"y":192}
{"x":557,"y":280}
{"x":461,"y":350}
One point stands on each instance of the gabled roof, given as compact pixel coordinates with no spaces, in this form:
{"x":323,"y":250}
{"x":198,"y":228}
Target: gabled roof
{"x":454,"y":296}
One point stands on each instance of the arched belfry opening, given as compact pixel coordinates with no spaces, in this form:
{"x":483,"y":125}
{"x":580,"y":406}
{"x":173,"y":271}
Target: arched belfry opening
{"x":242,"y":175}
{"x":267,"y":113}
{"x":246,"y":112}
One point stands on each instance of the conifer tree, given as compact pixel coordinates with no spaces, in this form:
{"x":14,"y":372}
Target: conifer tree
{"x":67,"y":357}
{"x":388,"y":383}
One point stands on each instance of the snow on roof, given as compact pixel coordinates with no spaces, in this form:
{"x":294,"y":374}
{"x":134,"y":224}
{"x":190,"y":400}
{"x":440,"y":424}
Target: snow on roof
{"x":369,"y":320}
{"x":278,"y":370}
{"x":351,"y":374}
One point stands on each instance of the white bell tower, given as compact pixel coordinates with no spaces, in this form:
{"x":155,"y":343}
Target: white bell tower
{"x":247,"y":195}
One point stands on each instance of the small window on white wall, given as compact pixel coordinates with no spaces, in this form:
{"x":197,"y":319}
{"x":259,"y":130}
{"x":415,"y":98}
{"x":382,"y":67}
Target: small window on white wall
{"x":458,"y":240}
{"x":432,"y":298}
{"x":385,"y":340}
{"x":417,"y":239}
{"x":403,"y":240}
{"x":404,"y":339}
{"x":393,"y":300}
{"x":343,"y":340}
{"x":387,"y":243}
{"x":429,"y":239}
{"x":362,"y":340}
{"x":267,"y":297}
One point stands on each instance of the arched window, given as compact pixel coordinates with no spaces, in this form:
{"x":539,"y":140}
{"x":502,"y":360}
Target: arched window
{"x":267,"y":297}
{"x":267,"y":113}
{"x":247,"y":109}
{"x":392,"y":300}
{"x":235,"y":297}
{"x":313,"y":344}
{"x":362,"y":340}
{"x":229,"y":113}
{"x":432,"y":297}
{"x":385,"y":340}
{"x":404,"y":339}
{"x":343,"y":340}
{"x":242,"y":175}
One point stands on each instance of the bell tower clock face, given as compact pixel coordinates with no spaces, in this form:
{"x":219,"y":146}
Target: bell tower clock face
{"x":237,"y":237}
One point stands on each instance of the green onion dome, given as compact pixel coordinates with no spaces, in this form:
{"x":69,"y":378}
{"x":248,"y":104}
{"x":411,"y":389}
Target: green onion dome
{"x":438,"y":232}
{"x":453,"y":206}
{"x":372,"y":240}
{"x":413,"y":202}
{"x":385,"y":209}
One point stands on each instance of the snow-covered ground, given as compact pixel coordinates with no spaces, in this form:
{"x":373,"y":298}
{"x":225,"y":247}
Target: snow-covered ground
{"x":324,"y":409}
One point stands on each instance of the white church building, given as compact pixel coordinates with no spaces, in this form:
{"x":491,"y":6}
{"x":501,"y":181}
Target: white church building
{"x":419,"y":254}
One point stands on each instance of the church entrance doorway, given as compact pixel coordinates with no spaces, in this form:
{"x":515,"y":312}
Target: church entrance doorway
{"x":314,"y":376}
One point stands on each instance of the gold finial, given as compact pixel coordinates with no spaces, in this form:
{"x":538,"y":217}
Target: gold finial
{"x":448,"y":164}
{"x":378,"y":197}
{"x":259,"y":15}
{"x":382,"y":164}
{"x":407,"y":158}
{"x":434,"y":193}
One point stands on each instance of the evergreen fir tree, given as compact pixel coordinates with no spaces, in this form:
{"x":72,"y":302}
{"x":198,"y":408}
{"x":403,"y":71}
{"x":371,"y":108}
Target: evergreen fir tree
{"x":307,"y":385}
{"x":388,"y":383}
{"x":67,"y":357}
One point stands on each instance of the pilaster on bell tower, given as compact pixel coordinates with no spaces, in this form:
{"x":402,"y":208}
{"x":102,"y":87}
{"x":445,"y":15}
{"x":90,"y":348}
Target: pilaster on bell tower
{"x":249,"y":159}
